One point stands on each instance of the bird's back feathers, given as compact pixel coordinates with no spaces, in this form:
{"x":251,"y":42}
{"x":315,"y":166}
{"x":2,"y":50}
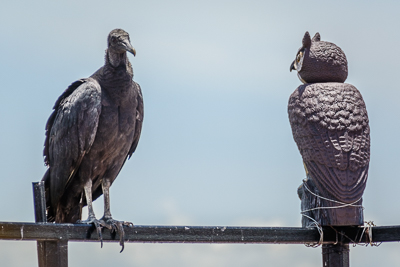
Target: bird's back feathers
{"x":330,"y":127}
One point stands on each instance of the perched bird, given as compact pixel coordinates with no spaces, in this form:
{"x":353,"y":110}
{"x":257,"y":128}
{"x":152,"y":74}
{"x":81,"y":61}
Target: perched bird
{"x":94,"y":127}
{"x":330,"y":126}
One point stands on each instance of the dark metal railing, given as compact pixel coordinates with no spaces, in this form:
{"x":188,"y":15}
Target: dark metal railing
{"x":52,"y":239}
{"x":198,"y":234}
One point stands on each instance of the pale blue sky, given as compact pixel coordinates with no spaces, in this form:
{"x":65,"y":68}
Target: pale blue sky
{"x":216,"y":145}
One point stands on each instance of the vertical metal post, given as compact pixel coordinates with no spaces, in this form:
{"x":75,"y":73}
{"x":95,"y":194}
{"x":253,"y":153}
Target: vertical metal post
{"x":50,"y":253}
{"x":335,"y":255}
{"x":39,"y":201}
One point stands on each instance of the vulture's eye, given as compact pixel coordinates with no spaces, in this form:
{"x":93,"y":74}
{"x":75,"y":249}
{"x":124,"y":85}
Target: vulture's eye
{"x":113,"y":39}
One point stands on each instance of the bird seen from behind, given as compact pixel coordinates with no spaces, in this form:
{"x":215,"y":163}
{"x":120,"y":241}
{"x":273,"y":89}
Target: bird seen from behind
{"x":330,"y":126}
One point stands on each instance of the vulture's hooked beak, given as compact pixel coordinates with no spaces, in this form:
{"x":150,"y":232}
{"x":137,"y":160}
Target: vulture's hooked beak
{"x":292,"y":67}
{"x":129,"y":48}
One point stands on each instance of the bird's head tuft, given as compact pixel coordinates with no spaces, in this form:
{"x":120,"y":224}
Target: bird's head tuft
{"x":319,"y":61}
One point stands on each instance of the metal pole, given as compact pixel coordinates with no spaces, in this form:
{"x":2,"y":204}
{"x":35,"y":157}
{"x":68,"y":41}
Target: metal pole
{"x":39,"y":201}
{"x":50,"y":253}
{"x":335,"y":255}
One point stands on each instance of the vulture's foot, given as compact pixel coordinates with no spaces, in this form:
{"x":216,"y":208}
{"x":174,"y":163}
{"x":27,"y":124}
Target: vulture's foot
{"x":97,"y":224}
{"x":116,"y":226}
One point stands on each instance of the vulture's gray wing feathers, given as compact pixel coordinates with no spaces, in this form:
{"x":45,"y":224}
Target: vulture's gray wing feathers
{"x":70,"y":132}
{"x":139,"y":119}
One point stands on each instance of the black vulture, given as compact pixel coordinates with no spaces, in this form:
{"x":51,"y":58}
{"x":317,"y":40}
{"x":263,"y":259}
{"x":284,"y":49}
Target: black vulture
{"x":94,"y":127}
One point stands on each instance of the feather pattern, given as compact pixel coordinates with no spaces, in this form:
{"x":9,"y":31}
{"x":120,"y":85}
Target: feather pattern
{"x":330,"y":127}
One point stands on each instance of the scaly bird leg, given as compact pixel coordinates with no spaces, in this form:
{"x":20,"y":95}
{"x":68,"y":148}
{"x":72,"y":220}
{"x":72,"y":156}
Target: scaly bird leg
{"x":91,"y":217}
{"x":107,"y":220}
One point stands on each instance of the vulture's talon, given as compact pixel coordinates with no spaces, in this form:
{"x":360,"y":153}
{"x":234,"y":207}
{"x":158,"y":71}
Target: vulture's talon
{"x":97,"y":224}
{"x":129,"y":224}
{"x":116,"y":226}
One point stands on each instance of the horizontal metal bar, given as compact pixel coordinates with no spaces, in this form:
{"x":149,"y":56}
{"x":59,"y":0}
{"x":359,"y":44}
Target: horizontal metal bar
{"x":197,"y":234}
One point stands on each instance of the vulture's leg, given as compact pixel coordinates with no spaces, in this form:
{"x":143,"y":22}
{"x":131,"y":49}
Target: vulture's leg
{"x":91,"y":217}
{"x":105,"y":185}
{"x":107,"y":220}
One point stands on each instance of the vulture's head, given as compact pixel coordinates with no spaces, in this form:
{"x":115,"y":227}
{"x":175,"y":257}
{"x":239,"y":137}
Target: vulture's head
{"x":119,"y":42}
{"x":319,"y":61}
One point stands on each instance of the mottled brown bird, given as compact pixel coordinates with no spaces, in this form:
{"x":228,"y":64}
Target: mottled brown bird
{"x":330,"y":127}
{"x":94,"y":128}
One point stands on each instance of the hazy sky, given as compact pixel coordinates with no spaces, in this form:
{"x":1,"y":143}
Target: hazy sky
{"x":216,"y":146}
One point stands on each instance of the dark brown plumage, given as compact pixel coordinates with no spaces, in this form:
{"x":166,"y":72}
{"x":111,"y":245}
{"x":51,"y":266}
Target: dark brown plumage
{"x":330,"y":127}
{"x":94,"y":128}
